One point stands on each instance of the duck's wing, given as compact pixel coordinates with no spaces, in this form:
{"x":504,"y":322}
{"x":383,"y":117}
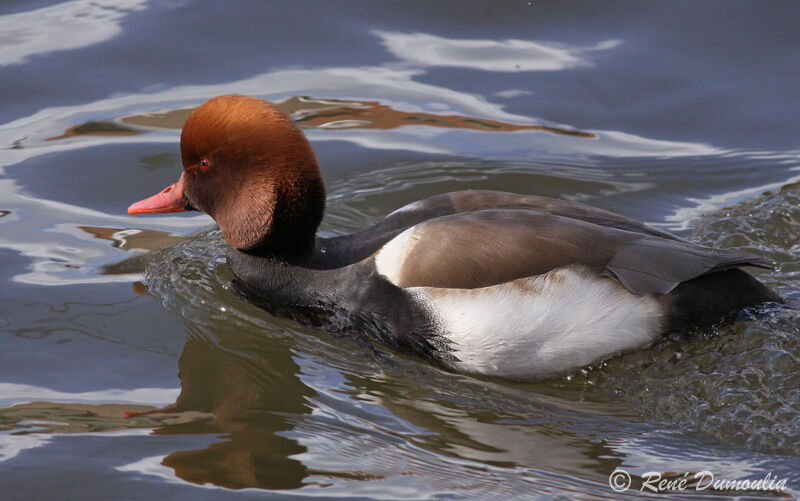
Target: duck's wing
{"x":475,"y":200}
{"x":347,"y":249}
{"x":486,"y":247}
{"x":459,"y":202}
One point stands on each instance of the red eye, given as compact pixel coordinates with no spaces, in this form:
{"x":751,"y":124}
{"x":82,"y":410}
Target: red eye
{"x":204,"y":164}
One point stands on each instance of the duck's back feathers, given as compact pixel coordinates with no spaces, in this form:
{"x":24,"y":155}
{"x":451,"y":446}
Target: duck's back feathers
{"x":477,"y":249}
{"x":348,"y":249}
{"x":475,"y":200}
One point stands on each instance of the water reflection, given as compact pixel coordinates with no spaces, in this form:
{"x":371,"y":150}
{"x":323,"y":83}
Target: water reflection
{"x":394,"y":88}
{"x":424,"y":49}
{"x":322,"y":114}
{"x":249,"y":387}
{"x":278,"y":432}
{"x":338,"y":114}
{"x":66,"y":26}
{"x":30,"y":415}
{"x":133,"y":238}
{"x":63,"y":215}
{"x":96,"y":129}
{"x":479,"y":423}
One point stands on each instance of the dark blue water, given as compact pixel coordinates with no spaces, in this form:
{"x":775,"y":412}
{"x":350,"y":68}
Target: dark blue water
{"x":680,"y":114}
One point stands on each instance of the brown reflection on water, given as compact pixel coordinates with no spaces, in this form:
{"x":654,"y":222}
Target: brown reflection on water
{"x":336,"y":114}
{"x":96,"y":129}
{"x":243,"y":386}
{"x":61,"y":417}
{"x":312,"y":113}
{"x":235,"y":385}
{"x":130,"y":239}
{"x":133,"y":238}
{"x":249,"y":386}
{"x":171,"y":119}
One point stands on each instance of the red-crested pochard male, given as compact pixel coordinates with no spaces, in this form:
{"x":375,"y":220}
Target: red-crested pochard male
{"x":483,"y":281}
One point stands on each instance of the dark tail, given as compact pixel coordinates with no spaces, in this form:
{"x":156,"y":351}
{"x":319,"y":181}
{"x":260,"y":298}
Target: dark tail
{"x":707,"y":299}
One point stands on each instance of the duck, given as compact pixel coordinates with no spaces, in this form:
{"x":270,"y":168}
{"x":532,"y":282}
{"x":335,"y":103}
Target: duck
{"x":483,"y":282}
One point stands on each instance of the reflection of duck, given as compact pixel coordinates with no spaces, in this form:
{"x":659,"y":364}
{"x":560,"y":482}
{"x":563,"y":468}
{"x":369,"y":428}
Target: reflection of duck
{"x":246,"y":390}
{"x":486,"y":282}
{"x":249,"y":398}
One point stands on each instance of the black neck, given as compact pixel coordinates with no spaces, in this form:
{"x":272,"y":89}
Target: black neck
{"x":350,"y":299}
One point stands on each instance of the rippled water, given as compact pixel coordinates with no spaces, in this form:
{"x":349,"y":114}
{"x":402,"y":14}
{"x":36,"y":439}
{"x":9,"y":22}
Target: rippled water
{"x":674,"y":114}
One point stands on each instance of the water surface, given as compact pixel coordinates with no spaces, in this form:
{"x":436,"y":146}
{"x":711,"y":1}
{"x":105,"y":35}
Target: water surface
{"x":683,"y":115}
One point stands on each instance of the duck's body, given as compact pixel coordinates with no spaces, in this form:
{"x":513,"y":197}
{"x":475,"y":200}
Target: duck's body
{"x":485,"y":282}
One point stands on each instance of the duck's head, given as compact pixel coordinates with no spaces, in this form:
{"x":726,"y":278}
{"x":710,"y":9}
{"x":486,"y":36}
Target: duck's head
{"x":248,"y":166}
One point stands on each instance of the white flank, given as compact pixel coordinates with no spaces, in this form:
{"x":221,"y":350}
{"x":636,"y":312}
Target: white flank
{"x":542,"y":325}
{"x":390,"y":258}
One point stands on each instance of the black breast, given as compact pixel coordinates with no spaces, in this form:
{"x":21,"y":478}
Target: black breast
{"x":353,"y":300}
